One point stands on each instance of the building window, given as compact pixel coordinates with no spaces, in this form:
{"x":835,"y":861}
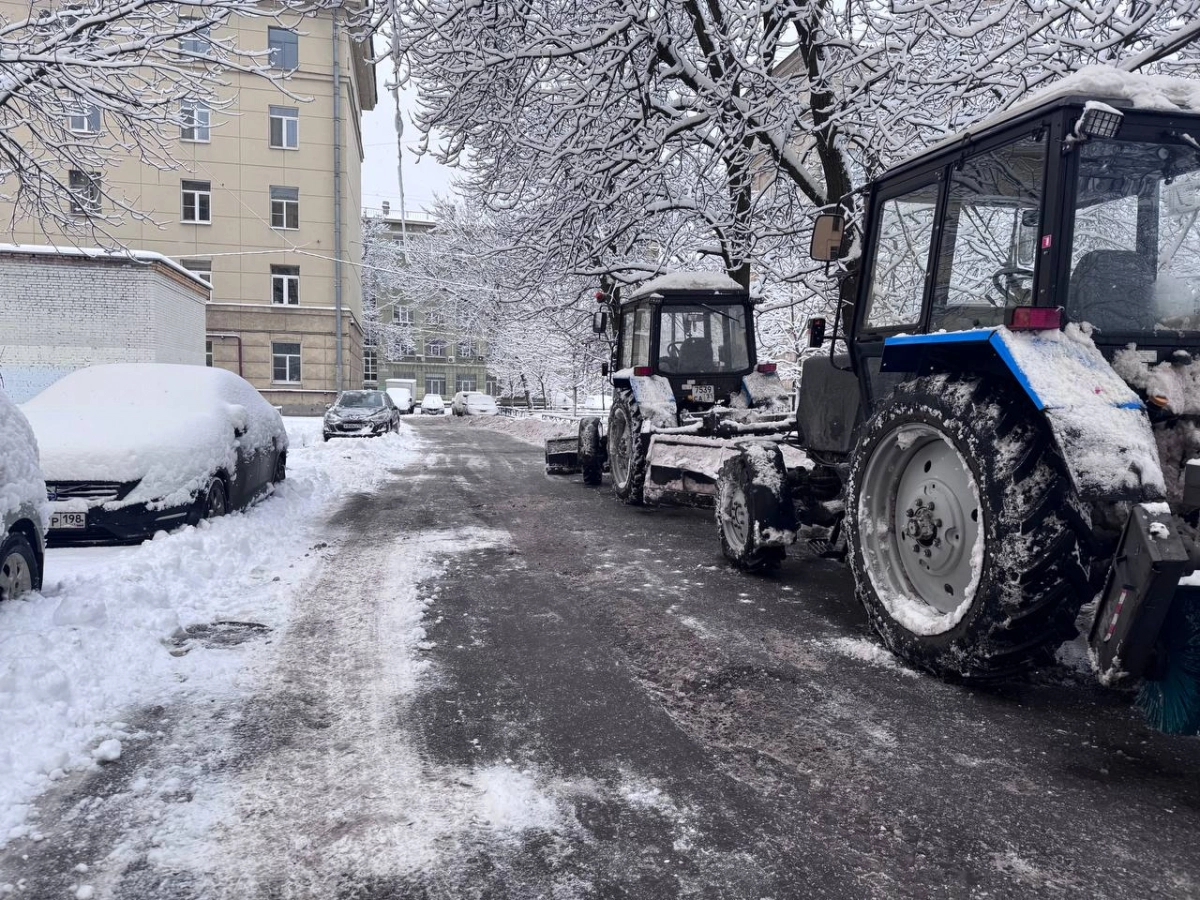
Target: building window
{"x":285,"y":285}
{"x":284,"y":131}
{"x":285,"y":207}
{"x":201,"y":268}
{"x":197,"y":202}
{"x":435,"y":384}
{"x":285,"y":362}
{"x":195,"y":119}
{"x":435,"y":348}
{"x":208,"y":353}
{"x":196,"y":42}
{"x":403,"y":315}
{"x":435,"y":318}
{"x":467,"y":348}
{"x":85,"y":191}
{"x":86,"y":120}
{"x":492,"y":386}
{"x":464,"y":383}
{"x":285,"y":48}
{"x":370,"y":366}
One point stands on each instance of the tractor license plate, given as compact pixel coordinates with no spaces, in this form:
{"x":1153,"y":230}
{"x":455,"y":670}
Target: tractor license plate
{"x":704,"y":393}
{"x":68,"y":520}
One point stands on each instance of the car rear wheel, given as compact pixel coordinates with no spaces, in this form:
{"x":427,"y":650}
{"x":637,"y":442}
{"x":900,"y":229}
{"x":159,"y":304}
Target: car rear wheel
{"x":18,"y":567}
{"x":216,"y":502}
{"x":280,"y":468}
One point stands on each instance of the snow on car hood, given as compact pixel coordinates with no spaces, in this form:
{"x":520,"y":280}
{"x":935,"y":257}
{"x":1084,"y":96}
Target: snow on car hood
{"x":21,"y":481}
{"x":169,"y":427}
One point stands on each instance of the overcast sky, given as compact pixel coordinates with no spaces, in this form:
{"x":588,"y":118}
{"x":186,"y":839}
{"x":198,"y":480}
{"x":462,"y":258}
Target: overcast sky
{"x":423,"y":177}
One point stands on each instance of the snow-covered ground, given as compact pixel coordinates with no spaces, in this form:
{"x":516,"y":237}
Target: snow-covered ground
{"x":109,"y":633}
{"x":532,"y":430}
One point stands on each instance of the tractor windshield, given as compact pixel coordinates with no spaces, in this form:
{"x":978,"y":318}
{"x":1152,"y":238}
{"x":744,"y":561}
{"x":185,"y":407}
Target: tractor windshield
{"x":703,"y":339}
{"x":1135,"y":260}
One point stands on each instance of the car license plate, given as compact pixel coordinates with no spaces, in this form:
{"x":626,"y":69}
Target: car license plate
{"x":68,"y":520}
{"x":704,"y":393}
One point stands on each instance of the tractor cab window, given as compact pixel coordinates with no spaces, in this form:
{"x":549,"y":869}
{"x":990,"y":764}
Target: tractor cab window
{"x":1135,"y":255}
{"x":989,"y":236}
{"x":902,"y":250}
{"x":702,"y":339}
{"x":635,"y":336}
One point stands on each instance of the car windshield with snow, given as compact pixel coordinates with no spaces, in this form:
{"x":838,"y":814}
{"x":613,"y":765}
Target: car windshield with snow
{"x":131,"y":449}
{"x":24,"y":512}
{"x":474,"y":403}
{"x":361,"y":414}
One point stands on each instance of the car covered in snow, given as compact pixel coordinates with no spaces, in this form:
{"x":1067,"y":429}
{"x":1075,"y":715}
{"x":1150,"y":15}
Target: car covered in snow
{"x":134,"y":448}
{"x":474,"y":403}
{"x":433,"y":405}
{"x":24,"y":512}
{"x":361,"y":414}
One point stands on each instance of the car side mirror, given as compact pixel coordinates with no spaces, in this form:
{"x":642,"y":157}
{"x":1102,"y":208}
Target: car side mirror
{"x":600,"y":322}
{"x":828,"y":230}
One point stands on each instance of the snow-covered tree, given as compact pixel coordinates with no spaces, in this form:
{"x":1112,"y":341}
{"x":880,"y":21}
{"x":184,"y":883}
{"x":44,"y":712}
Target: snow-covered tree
{"x":83,"y":82}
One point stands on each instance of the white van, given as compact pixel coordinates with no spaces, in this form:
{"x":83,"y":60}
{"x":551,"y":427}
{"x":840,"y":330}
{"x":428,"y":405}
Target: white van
{"x":403,"y":399}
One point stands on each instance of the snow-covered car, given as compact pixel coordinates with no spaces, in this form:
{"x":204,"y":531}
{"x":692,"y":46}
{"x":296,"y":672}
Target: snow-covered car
{"x":474,"y":403}
{"x":24,"y":511}
{"x":361,"y":414}
{"x":133,"y":448}
{"x":433,"y":405}
{"x":403,"y":399}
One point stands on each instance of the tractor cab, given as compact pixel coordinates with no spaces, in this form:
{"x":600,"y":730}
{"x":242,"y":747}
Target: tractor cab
{"x":695,"y":330}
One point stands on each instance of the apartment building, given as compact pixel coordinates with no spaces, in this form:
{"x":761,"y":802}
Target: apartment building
{"x":430,"y":350}
{"x":259,"y":209}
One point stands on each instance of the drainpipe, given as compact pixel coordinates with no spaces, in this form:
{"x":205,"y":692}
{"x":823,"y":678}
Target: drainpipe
{"x":221,"y":336}
{"x":337,"y":191}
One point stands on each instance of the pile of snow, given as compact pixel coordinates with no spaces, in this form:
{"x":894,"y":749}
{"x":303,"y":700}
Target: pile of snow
{"x":107,"y":634}
{"x":687,"y":281}
{"x":1162,"y":92}
{"x":21,"y":481}
{"x":169,"y":426}
{"x":532,"y":430}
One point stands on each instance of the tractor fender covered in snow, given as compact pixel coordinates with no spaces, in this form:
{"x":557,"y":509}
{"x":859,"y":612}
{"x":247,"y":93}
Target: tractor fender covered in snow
{"x":654,"y":396}
{"x":1098,"y":421}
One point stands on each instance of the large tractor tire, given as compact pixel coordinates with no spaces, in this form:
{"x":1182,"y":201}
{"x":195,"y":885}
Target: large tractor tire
{"x":627,"y":448}
{"x":967,"y":542}
{"x":591,"y":459}
{"x":755,"y":515}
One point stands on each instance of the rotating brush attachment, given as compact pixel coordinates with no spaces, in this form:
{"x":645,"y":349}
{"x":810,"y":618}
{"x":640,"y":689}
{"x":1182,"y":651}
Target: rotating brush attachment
{"x":1170,"y":700}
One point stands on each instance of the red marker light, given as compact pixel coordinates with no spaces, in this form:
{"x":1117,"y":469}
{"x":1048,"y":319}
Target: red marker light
{"x":1036,"y":318}
{"x":767,"y":368}
{"x":601,"y":296}
{"x":642,"y":370}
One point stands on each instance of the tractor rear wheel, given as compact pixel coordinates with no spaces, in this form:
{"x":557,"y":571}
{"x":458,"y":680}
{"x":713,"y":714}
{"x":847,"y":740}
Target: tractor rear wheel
{"x":755,"y":516}
{"x":591,"y":461}
{"x":627,"y":448}
{"x":968,"y":544}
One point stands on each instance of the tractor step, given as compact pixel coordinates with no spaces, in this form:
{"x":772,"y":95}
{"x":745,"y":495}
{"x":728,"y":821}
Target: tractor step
{"x":562,"y":456}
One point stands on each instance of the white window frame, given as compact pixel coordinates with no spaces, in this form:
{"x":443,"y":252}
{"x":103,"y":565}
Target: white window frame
{"x":465,"y":383}
{"x":272,"y":50}
{"x":289,"y":285}
{"x":430,"y":380}
{"x":289,"y":128}
{"x":202,"y":268}
{"x":285,"y":200}
{"x":436,"y":345}
{"x":434,"y":318}
{"x":198,"y":42}
{"x":85,"y":196}
{"x":196,"y":192}
{"x":288,"y":358}
{"x":403,"y":315}
{"x":370,"y":366}
{"x":195,"y":122}
{"x":467,"y":348}
{"x":208,"y":353}
{"x":85,"y":121}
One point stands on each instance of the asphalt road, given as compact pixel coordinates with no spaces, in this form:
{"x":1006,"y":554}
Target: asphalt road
{"x":601,"y":708}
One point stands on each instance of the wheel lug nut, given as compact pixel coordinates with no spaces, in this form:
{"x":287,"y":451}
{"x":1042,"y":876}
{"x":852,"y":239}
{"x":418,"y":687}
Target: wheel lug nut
{"x":920,"y":503}
{"x":916,"y":548}
{"x":928,"y":552}
{"x":937,"y":542}
{"x":910,"y":512}
{"x":937,"y":523}
{"x":931,"y":506}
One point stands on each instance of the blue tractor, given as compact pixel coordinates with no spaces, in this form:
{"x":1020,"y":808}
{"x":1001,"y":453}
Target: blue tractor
{"x":1009,"y":426}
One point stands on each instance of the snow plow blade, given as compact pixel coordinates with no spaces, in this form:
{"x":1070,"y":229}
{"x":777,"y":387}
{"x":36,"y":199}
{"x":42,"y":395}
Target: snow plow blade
{"x":562,"y":456}
{"x":1138,"y":592}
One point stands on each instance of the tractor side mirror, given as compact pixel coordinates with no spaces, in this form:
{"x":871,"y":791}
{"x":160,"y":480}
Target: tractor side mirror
{"x":604,"y":369}
{"x":827,"y":237}
{"x":816,"y":332}
{"x":600,"y":322}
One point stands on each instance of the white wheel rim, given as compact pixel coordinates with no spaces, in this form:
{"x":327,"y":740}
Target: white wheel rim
{"x":919,"y":528}
{"x":735,"y":519}
{"x":619,"y":447}
{"x":15,"y":577}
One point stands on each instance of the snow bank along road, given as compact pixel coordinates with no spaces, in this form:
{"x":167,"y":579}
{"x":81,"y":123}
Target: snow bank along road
{"x":482,"y":682}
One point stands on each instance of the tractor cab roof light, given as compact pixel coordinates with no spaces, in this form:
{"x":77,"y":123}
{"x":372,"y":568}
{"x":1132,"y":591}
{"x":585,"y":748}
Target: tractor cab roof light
{"x":1036,"y":318}
{"x":1099,"y":120}
{"x":767,"y":368}
{"x":642,"y":371}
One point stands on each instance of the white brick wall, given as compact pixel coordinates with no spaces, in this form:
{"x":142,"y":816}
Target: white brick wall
{"x":61,"y":313}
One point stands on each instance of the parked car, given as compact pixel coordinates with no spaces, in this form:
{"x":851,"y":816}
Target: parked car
{"x":135,"y":448}
{"x":433,"y":405}
{"x":24,"y":510}
{"x":474,"y":403}
{"x":403,"y":399}
{"x":361,"y":414}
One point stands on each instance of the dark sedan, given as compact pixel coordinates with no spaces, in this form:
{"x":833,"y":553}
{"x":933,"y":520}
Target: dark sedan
{"x":361,"y":414}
